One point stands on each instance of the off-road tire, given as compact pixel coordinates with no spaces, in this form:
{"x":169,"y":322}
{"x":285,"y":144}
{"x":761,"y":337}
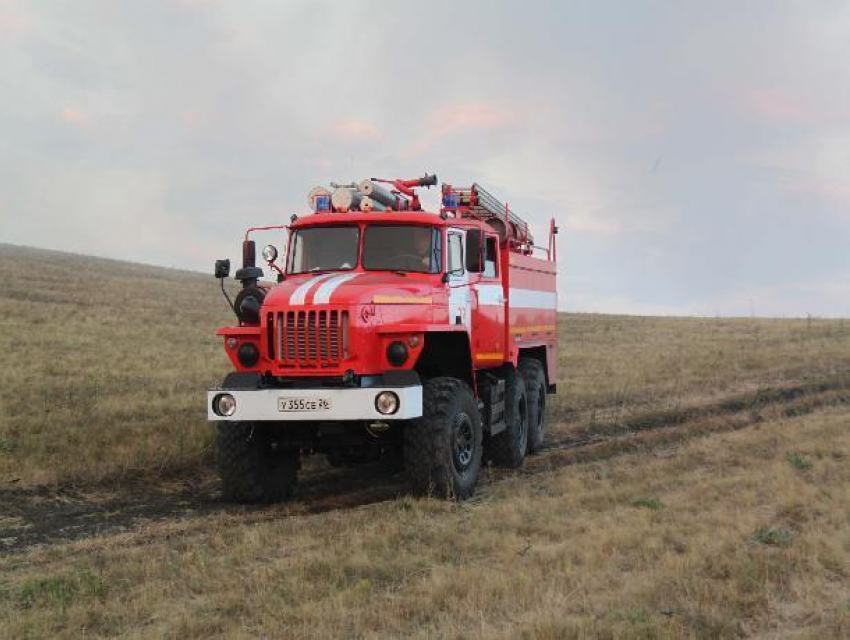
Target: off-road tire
{"x":252,"y":472}
{"x":507,"y":449}
{"x":442,"y":449}
{"x":531,"y":371}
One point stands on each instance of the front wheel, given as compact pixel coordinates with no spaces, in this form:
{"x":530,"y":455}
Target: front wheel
{"x":252,"y":467}
{"x":442,"y":449}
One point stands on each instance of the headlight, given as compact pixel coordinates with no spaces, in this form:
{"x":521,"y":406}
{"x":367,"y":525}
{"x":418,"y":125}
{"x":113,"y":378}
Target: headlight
{"x":224,"y":404}
{"x":397,"y":353}
{"x":386,"y":403}
{"x":269,"y":253}
{"x":248,"y":354}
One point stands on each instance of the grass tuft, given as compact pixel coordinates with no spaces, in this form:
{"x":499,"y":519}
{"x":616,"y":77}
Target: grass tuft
{"x":63,"y":589}
{"x":7,"y":445}
{"x":798,"y":461}
{"x":773,"y":536}
{"x":649,"y":503}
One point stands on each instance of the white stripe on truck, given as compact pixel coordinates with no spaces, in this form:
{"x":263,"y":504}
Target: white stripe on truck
{"x":300,"y":293}
{"x":323,"y":293}
{"x":531,"y":299}
{"x":490,"y":295}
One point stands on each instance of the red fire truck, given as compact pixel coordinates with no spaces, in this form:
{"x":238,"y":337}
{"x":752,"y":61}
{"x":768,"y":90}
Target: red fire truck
{"x":390,"y":331}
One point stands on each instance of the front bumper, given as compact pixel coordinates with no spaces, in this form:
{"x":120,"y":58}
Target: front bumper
{"x":264,"y":405}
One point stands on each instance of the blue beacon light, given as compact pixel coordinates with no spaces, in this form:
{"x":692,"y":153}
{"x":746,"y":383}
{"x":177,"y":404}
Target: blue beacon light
{"x":323,"y":203}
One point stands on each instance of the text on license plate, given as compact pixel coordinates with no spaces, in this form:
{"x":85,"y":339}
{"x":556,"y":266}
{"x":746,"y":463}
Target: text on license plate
{"x":303,"y":404}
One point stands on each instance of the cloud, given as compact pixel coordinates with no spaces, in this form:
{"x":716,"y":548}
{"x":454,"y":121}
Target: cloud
{"x":823,"y":298}
{"x":830,"y":298}
{"x":14,"y":22}
{"x":355,"y":130}
{"x":814,"y":165}
{"x":469,"y":117}
{"x":594,"y":303}
{"x":192,"y":118}
{"x":586,"y":222}
{"x":831,"y":191}
{"x":75,"y":117}
{"x":779,"y":107}
{"x":461,"y":118}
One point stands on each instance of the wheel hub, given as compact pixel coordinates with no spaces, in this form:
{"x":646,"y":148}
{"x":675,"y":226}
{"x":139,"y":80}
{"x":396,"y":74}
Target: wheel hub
{"x":463,"y":443}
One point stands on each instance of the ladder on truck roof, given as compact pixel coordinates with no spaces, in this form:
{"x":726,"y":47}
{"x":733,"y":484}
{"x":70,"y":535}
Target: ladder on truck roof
{"x":476,"y":202}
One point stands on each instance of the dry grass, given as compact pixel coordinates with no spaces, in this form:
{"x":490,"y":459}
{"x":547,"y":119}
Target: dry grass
{"x":104,"y":366}
{"x":710,"y":495}
{"x":721,"y":537}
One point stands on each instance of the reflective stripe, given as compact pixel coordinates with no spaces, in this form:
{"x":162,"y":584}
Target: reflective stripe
{"x":531,"y":299}
{"x":323,"y":293}
{"x":490,"y":294}
{"x":300,"y":293}
{"x":540,"y":328}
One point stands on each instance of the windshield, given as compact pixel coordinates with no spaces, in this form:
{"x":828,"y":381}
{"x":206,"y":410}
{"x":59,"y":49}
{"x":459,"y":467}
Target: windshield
{"x":324,"y":249}
{"x":401,"y":248}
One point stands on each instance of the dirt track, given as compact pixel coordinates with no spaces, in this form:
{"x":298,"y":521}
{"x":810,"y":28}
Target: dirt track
{"x":51,"y":515}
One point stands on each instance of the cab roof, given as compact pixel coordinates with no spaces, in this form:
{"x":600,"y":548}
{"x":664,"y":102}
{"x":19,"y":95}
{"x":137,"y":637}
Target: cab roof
{"x":388,"y":217}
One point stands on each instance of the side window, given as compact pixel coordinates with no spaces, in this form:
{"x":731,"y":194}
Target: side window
{"x":491,"y":258}
{"x":455,"y":251}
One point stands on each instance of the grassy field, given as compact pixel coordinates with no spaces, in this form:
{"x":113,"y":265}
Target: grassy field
{"x":696,"y":484}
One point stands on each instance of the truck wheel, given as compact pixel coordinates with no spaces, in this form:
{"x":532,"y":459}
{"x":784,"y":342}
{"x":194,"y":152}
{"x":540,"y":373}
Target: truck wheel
{"x":507,"y":449}
{"x":531,"y":371}
{"x":442,"y":449}
{"x":251,"y":469}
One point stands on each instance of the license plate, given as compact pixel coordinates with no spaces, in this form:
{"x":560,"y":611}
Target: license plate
{"x":303,"y":404}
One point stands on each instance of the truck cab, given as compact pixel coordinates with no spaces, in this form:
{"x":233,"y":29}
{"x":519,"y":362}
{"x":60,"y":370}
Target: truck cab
{"x":387,"y":333}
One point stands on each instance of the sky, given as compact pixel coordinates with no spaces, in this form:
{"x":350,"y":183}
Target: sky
{"x":695,"y":155}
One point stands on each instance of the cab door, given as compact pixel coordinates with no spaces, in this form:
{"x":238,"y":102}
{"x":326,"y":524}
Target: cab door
{"x":460,"y":300}
{"x":488,"y":319}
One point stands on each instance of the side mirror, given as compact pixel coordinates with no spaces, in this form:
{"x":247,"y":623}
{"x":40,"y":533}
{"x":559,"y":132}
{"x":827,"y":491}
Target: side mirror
{"x":222,"y":269}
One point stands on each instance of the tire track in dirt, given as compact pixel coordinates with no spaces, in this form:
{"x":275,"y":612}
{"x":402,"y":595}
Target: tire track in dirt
{"x":51,"y":515}
{"x":785,"y":401}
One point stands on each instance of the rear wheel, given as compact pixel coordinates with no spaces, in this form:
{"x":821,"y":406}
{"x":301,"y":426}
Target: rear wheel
{"x":442,"y":449}
{"x":252,"y":467}
{"x":532,"y":374}
{"x":507,"y":449}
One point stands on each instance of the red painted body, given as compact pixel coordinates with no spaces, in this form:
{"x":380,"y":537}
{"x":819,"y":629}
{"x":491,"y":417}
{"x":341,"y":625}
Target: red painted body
{"x":305,"y":331}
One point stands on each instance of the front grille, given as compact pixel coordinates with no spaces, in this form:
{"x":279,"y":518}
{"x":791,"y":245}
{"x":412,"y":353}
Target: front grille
{"x":307,"y":339}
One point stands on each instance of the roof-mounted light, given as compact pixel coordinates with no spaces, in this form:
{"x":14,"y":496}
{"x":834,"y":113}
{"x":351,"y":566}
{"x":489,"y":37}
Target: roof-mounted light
{"x":323,"y":203}
{"x":319,"y":199}
{"x":451,"y":201}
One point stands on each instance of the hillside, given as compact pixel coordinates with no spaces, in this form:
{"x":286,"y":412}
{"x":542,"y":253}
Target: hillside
{"x":695,"y":483}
